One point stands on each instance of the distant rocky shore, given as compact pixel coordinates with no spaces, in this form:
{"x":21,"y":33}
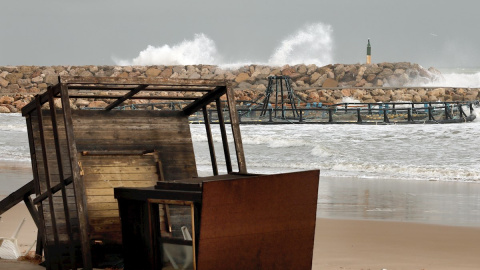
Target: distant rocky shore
{"x":327,"y":84}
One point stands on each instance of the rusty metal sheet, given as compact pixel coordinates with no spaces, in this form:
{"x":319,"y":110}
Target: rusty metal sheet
{"x":263,"y":222}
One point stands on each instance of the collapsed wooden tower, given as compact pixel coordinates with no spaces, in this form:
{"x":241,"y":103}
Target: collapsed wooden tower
{"x":80,"y":156}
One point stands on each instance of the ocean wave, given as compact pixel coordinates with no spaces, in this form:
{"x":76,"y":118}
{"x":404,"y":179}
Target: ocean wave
{"x":311,"y":44}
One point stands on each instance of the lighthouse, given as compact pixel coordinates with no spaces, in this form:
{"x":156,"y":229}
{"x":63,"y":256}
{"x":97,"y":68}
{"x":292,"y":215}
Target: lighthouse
{"x":369,"y":53}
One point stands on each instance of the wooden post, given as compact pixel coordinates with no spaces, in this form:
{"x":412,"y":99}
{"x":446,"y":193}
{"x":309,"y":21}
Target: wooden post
{"x":53,"y":116}
{"x":211,"y":147}
{"x":221,"y":122}
{"x":78,"y":185}
{"x":242,"y":167}
{"x":41,"y":229}
{"x":47,"y":177}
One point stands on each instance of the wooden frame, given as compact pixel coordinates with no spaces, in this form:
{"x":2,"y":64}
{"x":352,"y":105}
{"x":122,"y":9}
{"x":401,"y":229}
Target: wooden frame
{"x":57,"y":135}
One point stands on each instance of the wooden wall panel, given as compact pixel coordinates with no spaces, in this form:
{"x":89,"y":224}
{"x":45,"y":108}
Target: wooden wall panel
{"x":264,"y":222}
{"x":103,"y":173}
{"x":166,"y":133}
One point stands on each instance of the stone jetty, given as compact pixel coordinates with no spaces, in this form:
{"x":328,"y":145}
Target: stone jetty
{"x":382,"y":82}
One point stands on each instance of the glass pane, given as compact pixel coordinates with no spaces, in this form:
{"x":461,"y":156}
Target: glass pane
{"x":176,"y":231}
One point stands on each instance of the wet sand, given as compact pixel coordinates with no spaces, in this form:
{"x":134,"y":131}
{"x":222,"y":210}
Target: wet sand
{"x":345,"y":244}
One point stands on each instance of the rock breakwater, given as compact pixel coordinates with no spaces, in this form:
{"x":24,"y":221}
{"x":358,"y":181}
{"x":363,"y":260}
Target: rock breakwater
{"x":383,"y":82}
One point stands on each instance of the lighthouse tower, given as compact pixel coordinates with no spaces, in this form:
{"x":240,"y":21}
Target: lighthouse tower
{"x":369,"y":53}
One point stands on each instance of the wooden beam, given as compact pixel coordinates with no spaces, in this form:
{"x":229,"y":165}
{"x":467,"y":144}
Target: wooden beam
{"x":211,"y":146}
{"x":41,"y":239}
{"x":46,"y":168}
{"x":32,"y":210}
{"x":43,"y":98}
{"x":126,"y":96}
{"x":150,"y":88}
{"x":17,"y":196}
{"x":52,"y":190}
{"x":58,"y":152}
{"x":136,"y":97}
{"x":204,"y":100}
{"x":223,"y":131}
{"x":242,"y":167}
{"x":79,"y":188}
{"x":139,"y":81}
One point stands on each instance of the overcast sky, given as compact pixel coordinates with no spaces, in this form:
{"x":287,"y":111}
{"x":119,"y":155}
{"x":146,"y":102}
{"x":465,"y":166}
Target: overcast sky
{"x":66,"y":32}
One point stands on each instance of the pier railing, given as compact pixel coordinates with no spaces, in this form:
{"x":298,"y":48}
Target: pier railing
{"x":340,"y":113}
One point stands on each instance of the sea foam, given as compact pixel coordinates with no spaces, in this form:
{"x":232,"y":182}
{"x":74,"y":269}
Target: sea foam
{"x":311,"y":44}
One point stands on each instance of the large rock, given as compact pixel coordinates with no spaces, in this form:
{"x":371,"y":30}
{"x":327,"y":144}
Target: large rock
{"x":242,"y":77}
{"x":6,"y":100}
{"x":13,"y":77}
{"x":372,"y":70}
{"x":153,"y":72}
{"x":4,"y":109}
{"x":330,"y":83}
{"x":98,"y":104}
{"x":3,"y":83}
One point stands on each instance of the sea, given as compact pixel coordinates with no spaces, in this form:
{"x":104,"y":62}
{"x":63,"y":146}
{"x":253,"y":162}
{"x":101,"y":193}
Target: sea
{"x":411,"y":173}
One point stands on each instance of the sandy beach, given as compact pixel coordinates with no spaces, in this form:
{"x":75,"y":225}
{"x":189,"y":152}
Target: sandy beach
{"x":359,"y":244}
{"x":344,"y":244}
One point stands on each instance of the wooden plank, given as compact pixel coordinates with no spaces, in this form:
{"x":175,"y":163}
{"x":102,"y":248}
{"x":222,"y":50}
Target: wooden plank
{"x":267,"y":221}
{"x":127,"y":180}
{"x":105,"y":221}
{"x":121,"y":170}
{"x":101,"y":214}
{"x":108,"y":188}
{"x":101,"y":199}
{"x":102,"y":206}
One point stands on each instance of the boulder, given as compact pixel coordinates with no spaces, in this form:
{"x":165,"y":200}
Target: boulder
{"x":385,"y":73}
{"x":19,"y":104}
{"x":4,"y":109}
{"x":242,"y":77}
{"x":13,"y":77}
{"x":328,"y":83}
{"x":372,"y":70}
{"x":6,"y":100}
{"x":403,"y":65}
{"x":51,"y":79}
{"x":97,"y":104}
{"x":152,"y":72}
{"x":3,"y":83}
{"x":82,"y":103}
{"x":302,"y":69}
{"x":37,"y":79}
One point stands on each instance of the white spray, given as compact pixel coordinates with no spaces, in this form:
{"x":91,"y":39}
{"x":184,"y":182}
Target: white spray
{"x":312,"y":44}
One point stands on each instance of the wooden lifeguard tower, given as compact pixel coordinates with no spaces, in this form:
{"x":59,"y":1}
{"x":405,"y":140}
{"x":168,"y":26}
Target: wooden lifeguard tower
{"x":127,"y":179}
